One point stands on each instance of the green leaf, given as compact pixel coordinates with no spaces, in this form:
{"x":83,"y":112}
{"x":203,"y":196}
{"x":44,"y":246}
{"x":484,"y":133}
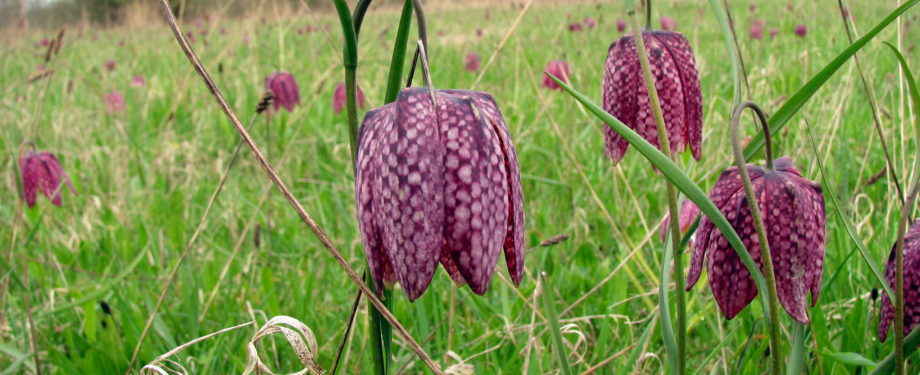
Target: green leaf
{"x":791,"y":106}
{"x":550,"y":309}
{"x":664,"y":307}
{"x":910,"y":345}
{"x":398,"y":61}
{"x":797,"y":350}
{"x":638,"y":349}
{"x":350,"y":53}
{"x":729,"y":48}
{"x":847,"y":224}
{"x":682,"y":182}
{"x":850,"y":359}
{"x":911,"y":85}
{"x":100,"y":291}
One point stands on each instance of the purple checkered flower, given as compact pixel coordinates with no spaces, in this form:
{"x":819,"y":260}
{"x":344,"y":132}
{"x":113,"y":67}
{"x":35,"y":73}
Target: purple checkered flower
{"x":793,"y":217}
{"x":801,"y":30}
{"x":338,"y":98}
{"x":437,"y":181}
{"x":284,"y":88}
{"x":668,"y":23}
{"x":911,"y":284}
{"x":621,"y":26}
{"x":558,"y":68}
{"x":625,"y":95}
{"x":41,"y":172}
{"x":472,"y":62}
{"x":114,"y":102}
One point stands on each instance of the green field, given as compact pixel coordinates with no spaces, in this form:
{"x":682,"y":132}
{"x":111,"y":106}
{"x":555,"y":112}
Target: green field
{"x":144,"y":177}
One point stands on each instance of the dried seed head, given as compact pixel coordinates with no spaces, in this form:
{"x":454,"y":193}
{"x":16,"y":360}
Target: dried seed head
{"x":793,"y":216}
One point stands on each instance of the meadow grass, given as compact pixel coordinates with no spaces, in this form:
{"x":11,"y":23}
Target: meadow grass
{"x":144,"y":177}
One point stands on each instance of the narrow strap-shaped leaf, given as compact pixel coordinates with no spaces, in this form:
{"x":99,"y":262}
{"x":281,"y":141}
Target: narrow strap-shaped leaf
{"x":637,"y":350}
{"x":886,"y":366}
{"x":350,"y":53}
{"x":730,"y":49}
{"x":555,"y":330}
{"x":847,"y":224}
{"x":791,"y":106}
{"x":398,"y":61}
{"x":682,"y":182}
{"x":664,"y":307}
{"x":797,"y":350}
{"x":908,"y":75}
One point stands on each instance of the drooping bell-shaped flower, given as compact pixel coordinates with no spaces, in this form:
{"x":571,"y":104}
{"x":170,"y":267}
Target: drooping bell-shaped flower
{"x":338,"y":98}
{"x":114,"y":102}
{"x":284,"y":88}
{"x":558,"y":68}
{"x":590,"y":22}
{"x":138,"y":81}
{"x":625,"y":95}
{"x":438,"y":182}
{"x":688,"y":213}
{"x":41,"y":172}
{"x":621,"y":26}
{"x":576,"y":27}
{"x":756,"y":32}
{"x":773,"y":32}
{"x":911,"y":284}
{"x":668,"y":23}
{"x":801,"y":30}
{"x":472,"y":62}
{"x":109,"y":65}
{"x":793,"y":217}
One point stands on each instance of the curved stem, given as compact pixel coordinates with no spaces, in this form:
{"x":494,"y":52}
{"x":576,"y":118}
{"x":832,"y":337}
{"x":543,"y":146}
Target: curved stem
{"x":422,"y":24}
{"x":665,"y":146}
{"x":765,"y":256}
{"x":358,"y":15}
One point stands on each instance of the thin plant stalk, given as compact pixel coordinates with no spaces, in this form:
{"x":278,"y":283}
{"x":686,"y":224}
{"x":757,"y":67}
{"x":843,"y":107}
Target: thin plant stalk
{"x":672,"y":195}
{"x":765,"y":257}
{"x":797,"y":354}
{"x":397,"y":62}
{"x":555,"y":329}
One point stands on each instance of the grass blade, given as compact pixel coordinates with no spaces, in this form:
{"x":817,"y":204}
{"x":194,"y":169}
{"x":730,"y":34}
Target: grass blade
{"x":398,"y":61}
{"x":553,"y":319}
{"x":664,"y":307}
{"x":797,"y":352}
{"x":733,"y":52}
{"x":798,"y":100}
{"x":681,"y":181}
{"x":886,"y":366}
{"x":847,"y":224}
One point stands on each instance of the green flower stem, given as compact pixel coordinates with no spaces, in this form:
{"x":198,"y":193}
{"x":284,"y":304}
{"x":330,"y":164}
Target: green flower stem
{"x":672,"y":193}
{"x":765,"y":257}
{"x":397,"y":62}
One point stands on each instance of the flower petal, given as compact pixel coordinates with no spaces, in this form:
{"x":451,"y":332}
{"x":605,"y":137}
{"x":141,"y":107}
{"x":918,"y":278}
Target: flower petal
{"x":476,"y":194}
{"x":622,"y":78}
{"x":367,"y":162}
{"x":514,"y":239}
{"x":31,"y":173}
{"x":681,"y":53}
{"x":411,"y":187}
{"x":728,"y":185}
{"x":670,"y":94}
{"x":911,"y":284}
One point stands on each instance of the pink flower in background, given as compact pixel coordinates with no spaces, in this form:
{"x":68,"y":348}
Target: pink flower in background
{"x":338,"y":98}
{"x":110,"y":65}
{"x":41,"y":67}
{"x":668,"y":23}
{"x":688,"y":213}
{"x":756,"y":32}
{"x":284,"y":88}
{"x":246,"y":39}
{"x":478,"y":32}
{"x":114,"y":102}
{"x":773,"y":33}
{"x":41,"y":172}
{"x":790,"y":6}
{"x":800,"y":30}
{"x":558,"y":68}
{"x":472,"y":62}
{"x":138,"y":81}
{"x":190,"y":35}
{"x":45,"y":42}
{"x":752,"y":8}
{"x":590,"y":22}
{"x":621,"y":26}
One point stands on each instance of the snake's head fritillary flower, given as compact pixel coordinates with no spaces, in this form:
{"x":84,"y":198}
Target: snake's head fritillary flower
{"x":756,"y":32}
{"x":138,"y":81}
{"x":472,"y":62}
{"x":284,"y":88}
{"x":590,"y":22}
{"x":41,"y":172}
{"x":911,"y":284}
{"x":338,"y":98}
{"x":688,"y":213}
{"x":773,"y":33}
{"x":114,"y":102}
{"x":801,"y":30}
{"x":109,"y":65}
{"x":558,"y":68}
{"x":753,"y":8}
{"x":625,"y":95}
{"x":793,"y":217}
{"x":621,"y":26}
{"x":437,"y":181}
{"x":45,"y":42}
{"x":668,"y":23}
{"x":575,"y":27}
